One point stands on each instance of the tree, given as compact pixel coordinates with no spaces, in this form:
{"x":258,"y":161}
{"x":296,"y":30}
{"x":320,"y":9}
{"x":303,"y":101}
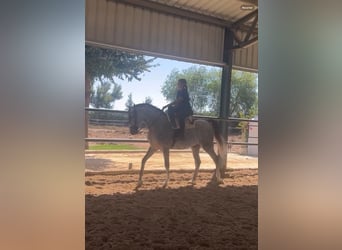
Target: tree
{"x":129,"y":103}
{"x":244,"y":97}
{"x":204,"y":87}
{"x":105,"y":64}
{"x":116,"y":92}
{"x":148,"y":100}
{"x":104,"y":97}
{"x":201,"y":86}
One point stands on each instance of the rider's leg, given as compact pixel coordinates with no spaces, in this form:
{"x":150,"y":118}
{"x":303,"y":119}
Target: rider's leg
{"x":181,"y":126}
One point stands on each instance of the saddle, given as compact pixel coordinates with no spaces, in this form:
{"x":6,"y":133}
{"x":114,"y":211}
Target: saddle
{"x":178,"y":134}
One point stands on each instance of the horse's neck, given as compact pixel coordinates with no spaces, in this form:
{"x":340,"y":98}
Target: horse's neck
{"x":159,"y":128}
{"x":152,"y":116}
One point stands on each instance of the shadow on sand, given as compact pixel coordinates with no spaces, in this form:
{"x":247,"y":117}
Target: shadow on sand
{"x":211,"y":217}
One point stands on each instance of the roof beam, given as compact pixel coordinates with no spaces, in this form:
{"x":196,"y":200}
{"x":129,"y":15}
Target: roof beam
{"x":253,"y":26}
{"x":245,"y":44}
{"x":245,"y":18}
{"x":251,"y":30}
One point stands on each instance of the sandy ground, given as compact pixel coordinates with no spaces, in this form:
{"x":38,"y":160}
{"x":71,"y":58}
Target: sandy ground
{"x":182,"y":216}
{"x":118,"y":161}
{"x":204,"y":216}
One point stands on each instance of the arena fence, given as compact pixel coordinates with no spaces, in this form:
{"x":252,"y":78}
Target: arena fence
{"x":108,"y":117}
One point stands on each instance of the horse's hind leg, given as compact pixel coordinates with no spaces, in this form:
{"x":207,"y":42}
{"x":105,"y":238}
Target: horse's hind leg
{"x":148,"y":154}
{"x":210,"y":150}
{"x":166,"y":154}
{"x":195,"y":153}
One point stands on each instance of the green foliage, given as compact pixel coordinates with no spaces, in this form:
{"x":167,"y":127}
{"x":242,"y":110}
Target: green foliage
{"x":204,"y":87}
{"x":244,"y":96}
{"x":116,"y":92}
{"x":103,"y":63}
{"x":104,"y":97}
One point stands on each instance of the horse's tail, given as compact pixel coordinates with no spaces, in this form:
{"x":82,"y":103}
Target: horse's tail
{"x":220,"y":142}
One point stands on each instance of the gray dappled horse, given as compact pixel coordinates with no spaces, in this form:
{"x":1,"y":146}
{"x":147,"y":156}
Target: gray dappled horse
{"x":161,"y":137}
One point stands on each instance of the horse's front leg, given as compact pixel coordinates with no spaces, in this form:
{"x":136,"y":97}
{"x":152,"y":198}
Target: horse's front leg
{"x":166,"y":154}
{"x":195,"y":153}
{"x":148,"y":154}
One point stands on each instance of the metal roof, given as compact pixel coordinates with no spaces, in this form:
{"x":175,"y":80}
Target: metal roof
{"x":228,"y":10}
{"x":183,"y":29}
{"x":226,"y":13}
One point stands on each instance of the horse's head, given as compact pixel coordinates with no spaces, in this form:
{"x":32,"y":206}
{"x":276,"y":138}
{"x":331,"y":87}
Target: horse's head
{"x":132,"y":120}
{"x":141,"y":116}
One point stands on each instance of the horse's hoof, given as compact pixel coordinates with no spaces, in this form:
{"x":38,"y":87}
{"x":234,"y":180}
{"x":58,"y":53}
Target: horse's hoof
{"x":138,"y":185}
{"x":220,"y":181}
{"x":192,"y":183}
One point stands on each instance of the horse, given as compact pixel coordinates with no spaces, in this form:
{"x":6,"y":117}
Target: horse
{"x":161,"y":136}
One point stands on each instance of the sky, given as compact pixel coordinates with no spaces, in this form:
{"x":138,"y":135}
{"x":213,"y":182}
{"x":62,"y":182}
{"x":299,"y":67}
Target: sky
{"x":150,"y":84}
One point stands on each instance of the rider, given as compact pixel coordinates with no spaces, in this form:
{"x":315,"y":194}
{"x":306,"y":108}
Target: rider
{"x":180,"y":107}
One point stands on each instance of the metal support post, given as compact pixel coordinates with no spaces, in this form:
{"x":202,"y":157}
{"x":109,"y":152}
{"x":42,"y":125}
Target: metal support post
{"x":225,"y":88}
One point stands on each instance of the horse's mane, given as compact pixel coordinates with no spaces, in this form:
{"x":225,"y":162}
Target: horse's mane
{"x":150,"y":106}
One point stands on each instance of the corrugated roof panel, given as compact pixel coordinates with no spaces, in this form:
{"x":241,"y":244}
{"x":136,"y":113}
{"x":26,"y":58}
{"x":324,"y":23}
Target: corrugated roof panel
{"x":247,"y":58}
{"x":90,"y":19}
{"x":145,"y":32}
{"x":110,"y":22}
{"x":198,"y":35}
{"x":137,"y":29}
{"x":177,"y":36}
{"x":255,"y":56}
{"x":169,"y":35}
{"x":101,"y":20}
{"x":121,"y":25}
{"x":128,"y":24}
